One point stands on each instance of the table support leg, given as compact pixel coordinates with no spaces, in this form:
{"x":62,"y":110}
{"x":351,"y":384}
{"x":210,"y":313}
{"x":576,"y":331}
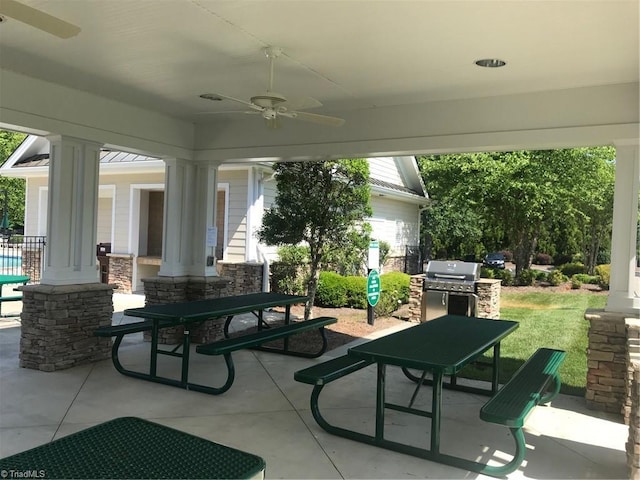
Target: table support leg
{"x":380,"y":402}
{"x":186,"y":345}
{"x":496,"y":369}
{"x":436,"y":403}
{"x":153,"y":361}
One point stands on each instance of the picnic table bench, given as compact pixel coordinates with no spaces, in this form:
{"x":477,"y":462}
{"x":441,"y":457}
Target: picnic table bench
{"x":535,"y":383}
{"x":257,"y":340}
{"x":514,"y":401}
{"x":131,"y":447}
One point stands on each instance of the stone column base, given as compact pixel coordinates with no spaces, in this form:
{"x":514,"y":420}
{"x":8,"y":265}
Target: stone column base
{"x":607,"y":373}
{"x":159,"y":290}
{"x":58,"y":322}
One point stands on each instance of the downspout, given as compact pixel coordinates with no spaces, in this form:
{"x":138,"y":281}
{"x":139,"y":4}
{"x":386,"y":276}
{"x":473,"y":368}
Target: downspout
{"x":266,"y":270}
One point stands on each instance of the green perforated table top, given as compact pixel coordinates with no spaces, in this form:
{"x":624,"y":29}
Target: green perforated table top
{"x":446,"y":343}
{"x":132,"y":448}
{"x":215,"y":307}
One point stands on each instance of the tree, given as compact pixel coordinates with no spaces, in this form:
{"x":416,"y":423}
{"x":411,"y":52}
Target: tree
{"x":520,"y":198}
{"x":14,"y":187}
{"x":321,"y":204}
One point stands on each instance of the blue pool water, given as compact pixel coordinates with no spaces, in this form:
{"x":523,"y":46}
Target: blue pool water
{"x":10,"y":262}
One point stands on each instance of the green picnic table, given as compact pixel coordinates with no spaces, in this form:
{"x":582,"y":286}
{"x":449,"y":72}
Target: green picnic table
{"x":131,"y":447}
{"x":11,"y":280}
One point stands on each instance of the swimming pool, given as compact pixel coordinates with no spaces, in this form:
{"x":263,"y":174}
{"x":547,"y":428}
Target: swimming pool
{"x":10,"y":262}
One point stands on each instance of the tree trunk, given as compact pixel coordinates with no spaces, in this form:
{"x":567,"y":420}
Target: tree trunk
{"x":312,"y":288}
{"x":523,"y":252}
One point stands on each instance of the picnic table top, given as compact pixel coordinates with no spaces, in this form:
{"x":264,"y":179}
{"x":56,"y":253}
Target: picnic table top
{"x":130,"y":447}
{"x":215,"y":307}
{"x":446,"y":343}
{"x":7,"y":279}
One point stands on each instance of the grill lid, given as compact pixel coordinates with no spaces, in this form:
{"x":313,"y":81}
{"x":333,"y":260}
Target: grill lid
{"x":451,"y":275}
{"x":453,"y":270}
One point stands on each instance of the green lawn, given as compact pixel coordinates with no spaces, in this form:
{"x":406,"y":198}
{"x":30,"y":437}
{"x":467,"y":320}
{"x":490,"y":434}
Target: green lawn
{"x":554,"y":320}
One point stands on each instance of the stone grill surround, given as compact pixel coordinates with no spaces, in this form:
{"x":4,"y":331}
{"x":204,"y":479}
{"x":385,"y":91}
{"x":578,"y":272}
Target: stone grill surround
{"x":488,"y":291}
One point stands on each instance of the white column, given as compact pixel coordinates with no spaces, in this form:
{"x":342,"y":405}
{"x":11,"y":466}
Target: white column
{"x":624,"y":285}
{"x":72,"y":212}
{"x":189,"y":213}
{"x":204,"y":237}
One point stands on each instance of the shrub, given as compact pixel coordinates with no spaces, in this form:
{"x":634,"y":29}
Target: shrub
{"x":398,"y":283}
{"x":570,"y":269}
{"x":543,"y":259}
{"x":556,"y":277}
{"x":356,"y":290}
{"x":603,"y":272}
{"x":508,"y":255}
{"x":541,"y":275}
{"x":506,"y":276}
{"x":527,"y":277}
{"x":584,"y":278}
{"x":487,"y":272}
{"x":575,"y":282}
{"x":332,"y":291}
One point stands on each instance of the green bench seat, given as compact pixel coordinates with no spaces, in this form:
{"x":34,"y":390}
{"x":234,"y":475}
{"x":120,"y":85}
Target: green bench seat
{"x":326,"y":372}
{"x":536,"y":382}
{"x":257,"y":340}
{"x":13,"y":298}
{"x":125,"y":329}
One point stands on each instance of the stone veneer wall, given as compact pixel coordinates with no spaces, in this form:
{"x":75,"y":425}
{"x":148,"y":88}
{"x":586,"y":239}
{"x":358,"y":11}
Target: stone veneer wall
{"x":121,"y":271}
{"x":488,"y":291}
{"x":58,"y":322}
{"x":632,"y":404}
{"x":247,"y":277}
{"x":607,"y":358}
{"x":633,"y":444}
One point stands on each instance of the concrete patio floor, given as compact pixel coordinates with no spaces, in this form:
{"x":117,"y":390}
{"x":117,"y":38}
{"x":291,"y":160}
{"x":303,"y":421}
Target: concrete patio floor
{"x":267,"y":413}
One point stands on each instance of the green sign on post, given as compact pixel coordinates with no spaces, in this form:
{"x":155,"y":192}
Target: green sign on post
{"x":373,"y":288}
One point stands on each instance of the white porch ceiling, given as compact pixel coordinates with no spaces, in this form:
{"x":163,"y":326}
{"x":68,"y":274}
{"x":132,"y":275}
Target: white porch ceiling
{"x":359,"y":58}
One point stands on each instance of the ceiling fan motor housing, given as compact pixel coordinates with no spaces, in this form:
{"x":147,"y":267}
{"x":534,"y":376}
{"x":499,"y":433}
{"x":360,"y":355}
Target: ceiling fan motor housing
{"x":269,"y":99}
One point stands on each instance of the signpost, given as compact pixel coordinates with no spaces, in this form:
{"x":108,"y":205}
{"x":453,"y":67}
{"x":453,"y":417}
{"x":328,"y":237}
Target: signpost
{"x":373,"y":280}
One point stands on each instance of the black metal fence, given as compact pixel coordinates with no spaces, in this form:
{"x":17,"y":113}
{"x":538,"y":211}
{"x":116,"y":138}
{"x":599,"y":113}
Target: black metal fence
{"x":22,"y":255}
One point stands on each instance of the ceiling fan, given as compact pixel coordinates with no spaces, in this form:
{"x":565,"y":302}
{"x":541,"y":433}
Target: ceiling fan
{"x":272,"y":105}
{"x":38,"y":19}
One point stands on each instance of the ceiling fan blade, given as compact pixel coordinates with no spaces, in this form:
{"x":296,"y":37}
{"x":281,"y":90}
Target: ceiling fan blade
{"x":315,"y":118}
{"x":301,"y":103}
{"x":217,"y":96}
{"x":249,"y":112}
{"x":38,"y":19}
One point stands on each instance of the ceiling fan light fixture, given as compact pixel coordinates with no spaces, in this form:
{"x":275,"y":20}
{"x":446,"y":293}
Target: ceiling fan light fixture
{"x":490,"y":63}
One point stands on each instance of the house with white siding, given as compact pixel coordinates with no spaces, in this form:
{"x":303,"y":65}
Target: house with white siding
{"x":131,"y":206}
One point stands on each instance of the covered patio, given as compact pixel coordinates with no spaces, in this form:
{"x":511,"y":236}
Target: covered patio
{"x":167,"y":79}
{"x":267,"y":413}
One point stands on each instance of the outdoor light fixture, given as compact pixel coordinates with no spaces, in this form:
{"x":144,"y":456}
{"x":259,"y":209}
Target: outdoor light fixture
{"x":490,"y":63}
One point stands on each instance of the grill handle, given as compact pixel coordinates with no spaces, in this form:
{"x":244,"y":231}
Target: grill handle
{"x":452,"y":277}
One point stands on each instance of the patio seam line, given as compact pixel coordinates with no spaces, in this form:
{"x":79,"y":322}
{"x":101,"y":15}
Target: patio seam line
{"x":75,"y":397}
{"x":315,"y":439}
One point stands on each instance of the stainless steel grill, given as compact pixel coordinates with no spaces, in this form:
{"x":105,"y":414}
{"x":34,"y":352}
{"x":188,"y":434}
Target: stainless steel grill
{"x":449,"y":288}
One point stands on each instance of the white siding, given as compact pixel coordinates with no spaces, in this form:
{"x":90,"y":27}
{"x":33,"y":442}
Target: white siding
{"x":386,"y":170}
{"x":237,"y":235}
{"x":395,"y":223}
{"x":123,"y":207}
{"x":104,"y":219}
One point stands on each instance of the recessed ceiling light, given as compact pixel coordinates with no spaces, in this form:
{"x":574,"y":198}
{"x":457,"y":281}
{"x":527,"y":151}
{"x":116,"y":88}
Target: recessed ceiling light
{"x":491,"y":63}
